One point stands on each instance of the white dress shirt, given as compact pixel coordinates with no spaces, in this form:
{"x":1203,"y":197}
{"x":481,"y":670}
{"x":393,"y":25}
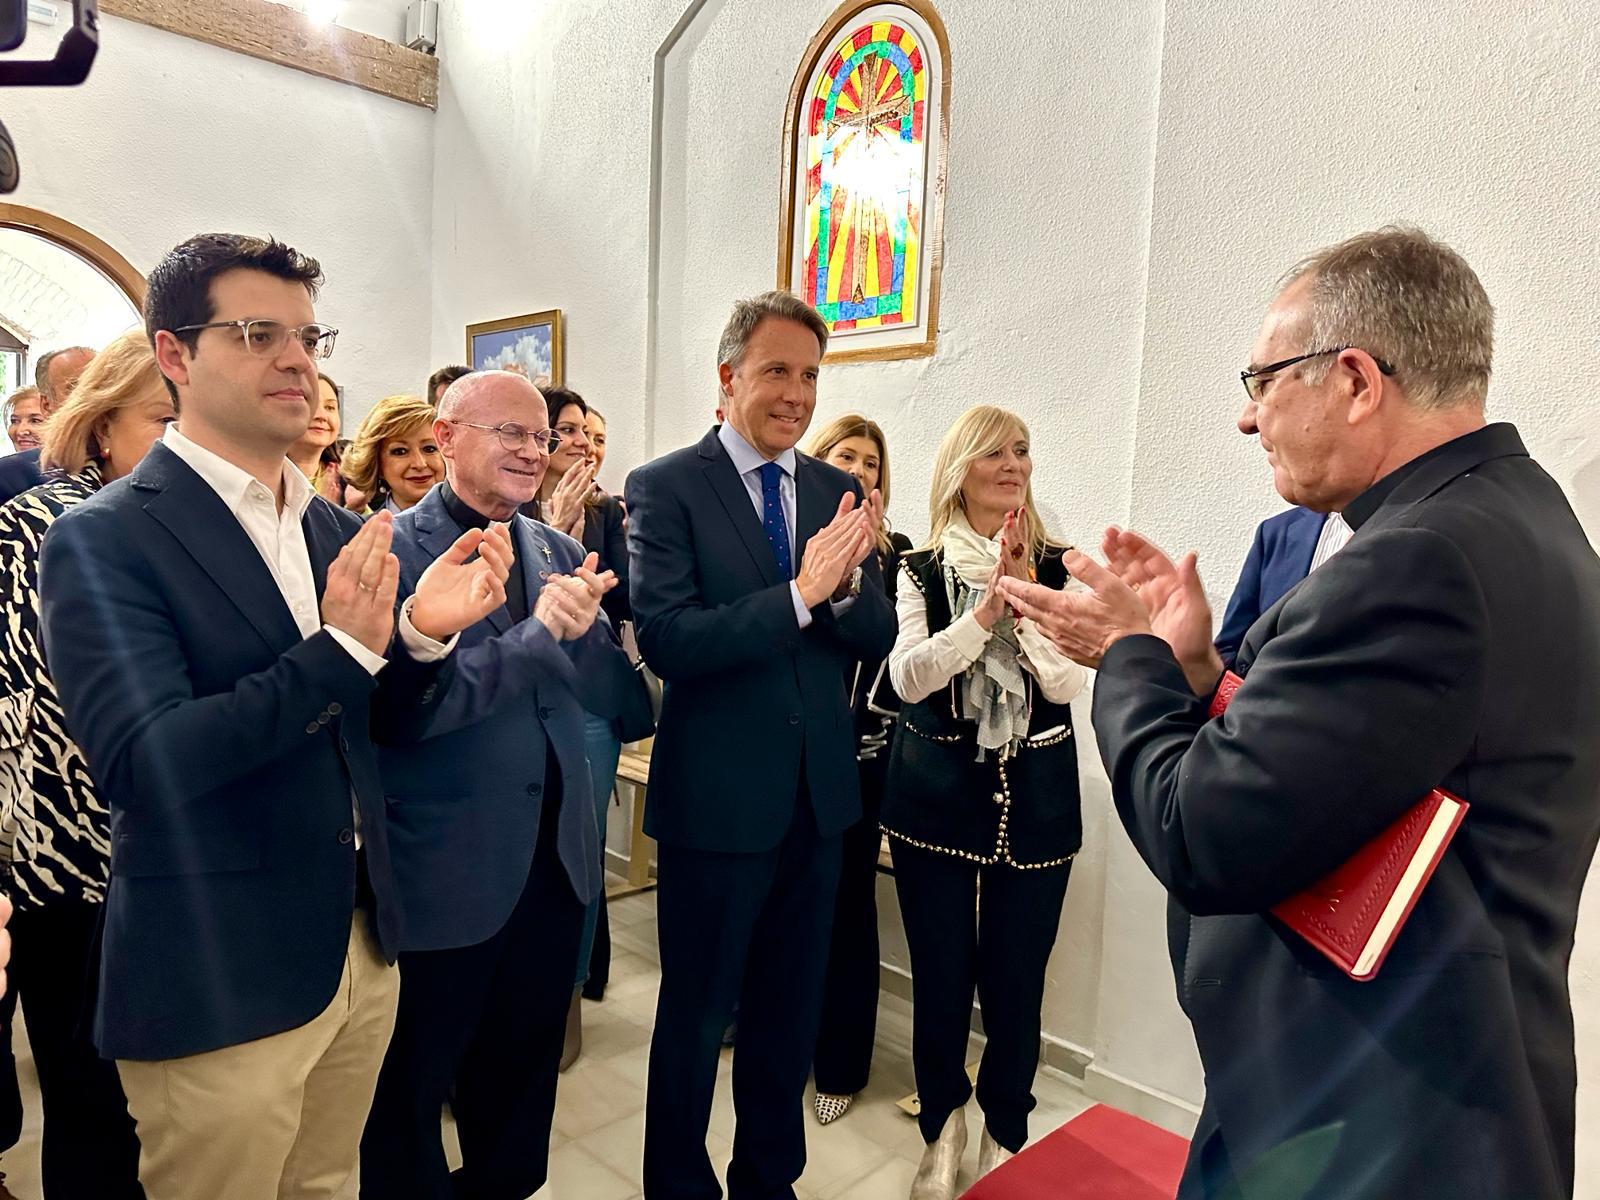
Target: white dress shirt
{"x":1335,"y":533}
{"x":920,"y":665}
{"x":281,"y":541}
{"x":748,"y":461}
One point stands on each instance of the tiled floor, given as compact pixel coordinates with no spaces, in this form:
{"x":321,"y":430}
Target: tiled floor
{"x":870,"y":1154}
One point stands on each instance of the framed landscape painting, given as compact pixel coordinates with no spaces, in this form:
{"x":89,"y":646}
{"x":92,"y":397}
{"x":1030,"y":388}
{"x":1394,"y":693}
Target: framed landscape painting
{"x":530,"y":344}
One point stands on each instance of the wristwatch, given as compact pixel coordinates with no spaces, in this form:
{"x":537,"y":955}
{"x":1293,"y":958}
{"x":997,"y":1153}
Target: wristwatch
{"x":855,"y":582}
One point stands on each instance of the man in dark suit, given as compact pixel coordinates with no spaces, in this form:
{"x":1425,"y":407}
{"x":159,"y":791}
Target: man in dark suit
{"x":1280,"y":557}
{"x":1454,"y":642}
{"x":491,"y":825}
{"x":748,"y":599}
{"x":221,"y":639}
{"x":54,"y":375}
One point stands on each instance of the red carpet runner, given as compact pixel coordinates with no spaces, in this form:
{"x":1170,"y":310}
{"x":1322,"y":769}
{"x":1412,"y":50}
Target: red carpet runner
{"x":1103,"y":1153}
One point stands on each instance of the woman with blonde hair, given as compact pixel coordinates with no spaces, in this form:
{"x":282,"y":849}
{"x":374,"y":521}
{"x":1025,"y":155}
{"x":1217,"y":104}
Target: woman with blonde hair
{"x":982,"y":791}
{"x":24,"y":417}
{"x":393,"y":458}
{"x":843,"y":1058}
{"x":57,"y":827}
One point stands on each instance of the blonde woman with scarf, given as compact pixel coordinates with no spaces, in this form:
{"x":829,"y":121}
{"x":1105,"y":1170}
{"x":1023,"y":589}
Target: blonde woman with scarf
{"x":982,"y":792}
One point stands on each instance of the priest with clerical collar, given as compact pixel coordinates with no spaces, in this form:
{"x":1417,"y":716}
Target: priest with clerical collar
{"x":492,"y":823}
{"x":1454,"y":643}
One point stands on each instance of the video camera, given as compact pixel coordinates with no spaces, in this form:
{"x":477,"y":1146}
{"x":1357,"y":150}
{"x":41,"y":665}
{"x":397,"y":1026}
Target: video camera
{"x":69,"y":67}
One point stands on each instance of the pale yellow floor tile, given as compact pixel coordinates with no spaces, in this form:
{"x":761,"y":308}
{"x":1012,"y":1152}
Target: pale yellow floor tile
{"x":594,"y":1094}
{"x":575,"y":1174}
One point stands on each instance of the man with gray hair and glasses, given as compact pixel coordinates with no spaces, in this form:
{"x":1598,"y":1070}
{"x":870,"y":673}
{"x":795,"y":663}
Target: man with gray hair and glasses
{"x":754,"y":588}
{"x":1455,"y":642}
{"x":54,"y":375}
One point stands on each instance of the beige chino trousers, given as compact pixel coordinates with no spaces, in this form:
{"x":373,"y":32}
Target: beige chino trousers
{"x":279,"y":1118}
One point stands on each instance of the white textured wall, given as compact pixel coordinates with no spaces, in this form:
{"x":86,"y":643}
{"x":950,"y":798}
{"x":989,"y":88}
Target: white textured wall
{"x":170,"y":137}
{"x":1105,"y":272}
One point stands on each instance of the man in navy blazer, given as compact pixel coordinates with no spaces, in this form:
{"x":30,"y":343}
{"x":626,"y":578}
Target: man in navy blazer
{"x":491,"y":824}
{"x":221,"y":639}
{"x":1280,"y":557}
{"x":747,"y":563}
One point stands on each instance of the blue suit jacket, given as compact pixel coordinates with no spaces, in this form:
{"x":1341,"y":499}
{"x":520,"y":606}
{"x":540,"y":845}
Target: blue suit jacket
{"x":752,"y":703}
{"x":1279,"y":558}
{"x":18,"y":473}
{"x":464,"y":801}
{"x":227,"y":747}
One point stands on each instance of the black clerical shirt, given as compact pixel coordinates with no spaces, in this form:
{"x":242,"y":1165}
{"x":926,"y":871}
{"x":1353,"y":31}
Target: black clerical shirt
{"x":464,"y":515}
{"x":1491,"y":441}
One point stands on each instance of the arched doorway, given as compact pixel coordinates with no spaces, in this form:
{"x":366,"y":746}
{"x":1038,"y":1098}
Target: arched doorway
{"x":60,"y":286}
{"x":79,"y":241}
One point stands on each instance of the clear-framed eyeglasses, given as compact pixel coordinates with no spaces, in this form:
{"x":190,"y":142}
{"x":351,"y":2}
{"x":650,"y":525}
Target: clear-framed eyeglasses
{"x":514,"y":436}
{"x":268,"y":338}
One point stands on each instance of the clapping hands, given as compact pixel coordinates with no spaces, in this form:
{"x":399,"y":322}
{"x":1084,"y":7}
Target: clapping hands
{"x":1011,"y":563}
{"x":838,"y":548}
{"x":1139,"y":590}
{"x":358,"y":598}
{"x":568,"y":604}
{"x":564,"y":509}
{"x":454,"y":594}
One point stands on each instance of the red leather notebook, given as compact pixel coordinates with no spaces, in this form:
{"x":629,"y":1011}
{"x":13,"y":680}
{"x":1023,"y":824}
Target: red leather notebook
{"x":1354,"y":915}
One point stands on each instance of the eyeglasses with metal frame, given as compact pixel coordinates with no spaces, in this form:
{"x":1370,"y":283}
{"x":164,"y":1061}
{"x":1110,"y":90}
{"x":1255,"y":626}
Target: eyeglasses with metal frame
{"x":1255,"y":381}
{"x":514,"y":436}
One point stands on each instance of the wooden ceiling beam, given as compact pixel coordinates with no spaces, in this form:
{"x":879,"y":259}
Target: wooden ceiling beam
{"x":280,"y":34}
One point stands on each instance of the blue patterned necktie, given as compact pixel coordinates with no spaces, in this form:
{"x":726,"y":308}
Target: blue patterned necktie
{"x":772,"y":518}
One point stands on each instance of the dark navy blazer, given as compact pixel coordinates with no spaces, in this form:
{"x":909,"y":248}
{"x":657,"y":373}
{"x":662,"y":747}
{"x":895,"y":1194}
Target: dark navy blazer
{"x":464,"y":802}
{"x":1279,"y":558}
{"x":228,"y":748}
{"x":18,"y":473}
{"x":752,"y":704}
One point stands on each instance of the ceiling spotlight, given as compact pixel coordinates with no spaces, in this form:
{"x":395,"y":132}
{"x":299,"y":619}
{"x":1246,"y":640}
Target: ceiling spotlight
{"x":323,"y":12}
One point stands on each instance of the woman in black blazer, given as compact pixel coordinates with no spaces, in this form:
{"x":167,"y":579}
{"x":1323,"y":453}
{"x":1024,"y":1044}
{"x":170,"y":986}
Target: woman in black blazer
{"x":569,"y":502}
{"x":56,"y":829}
{"x":982,"y":791}
{"x":843,"y":1057}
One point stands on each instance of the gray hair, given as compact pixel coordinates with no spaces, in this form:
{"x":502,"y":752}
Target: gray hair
{"x":41,"y":369}
{"x":1408,"y":299}
{"x":747,"y":314}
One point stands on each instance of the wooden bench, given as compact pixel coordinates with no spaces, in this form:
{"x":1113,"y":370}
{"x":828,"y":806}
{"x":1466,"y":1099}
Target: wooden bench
{"x":633,"y":770}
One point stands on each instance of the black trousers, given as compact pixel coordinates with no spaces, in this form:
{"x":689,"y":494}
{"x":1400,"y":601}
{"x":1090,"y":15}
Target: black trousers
{"x":488,"y":1021}
{"x":90,"y":1150}
{"x":843,"y":1059}
{"x":751,"y":928}
{"x":10,"y":1090}
{"x":998,"y":943}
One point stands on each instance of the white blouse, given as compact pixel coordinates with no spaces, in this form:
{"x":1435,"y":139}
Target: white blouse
{"x":920,"y":664}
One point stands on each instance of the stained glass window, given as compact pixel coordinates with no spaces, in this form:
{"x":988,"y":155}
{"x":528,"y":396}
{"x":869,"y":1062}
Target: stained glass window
{"x":866,"y":141}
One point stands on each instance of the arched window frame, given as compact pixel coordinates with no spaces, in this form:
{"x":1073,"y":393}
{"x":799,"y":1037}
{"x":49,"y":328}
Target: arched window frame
{"x":891,"y":342}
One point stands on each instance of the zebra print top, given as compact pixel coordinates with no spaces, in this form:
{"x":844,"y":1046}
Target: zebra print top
{"x":55,"y":830}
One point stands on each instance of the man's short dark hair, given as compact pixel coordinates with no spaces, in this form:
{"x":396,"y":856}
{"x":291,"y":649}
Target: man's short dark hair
{"x":179,"y":287}
{"x":444,"y":377}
